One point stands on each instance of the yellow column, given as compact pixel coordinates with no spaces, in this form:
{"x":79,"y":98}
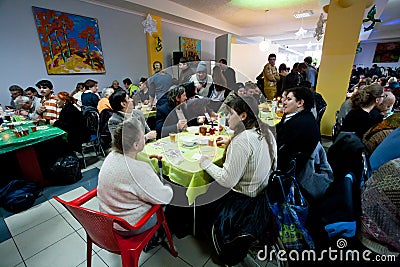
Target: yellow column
{"x":338,"y":52}
{"x":154,"y":45}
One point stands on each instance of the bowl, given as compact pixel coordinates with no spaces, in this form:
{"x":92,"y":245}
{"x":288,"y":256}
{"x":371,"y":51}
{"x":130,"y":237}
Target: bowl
{"x":188,"y":140}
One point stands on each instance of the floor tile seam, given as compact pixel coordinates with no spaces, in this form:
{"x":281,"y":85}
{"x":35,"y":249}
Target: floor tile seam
{"x":48,"y":246}
{"x":100,"y":257}
{"x":159,"y":247}
{"x":19,"y":252}
{"x":33,"y":226}
{"x":92,"y":259}
{"x":183,"y":260}
{"x":207,"y":261}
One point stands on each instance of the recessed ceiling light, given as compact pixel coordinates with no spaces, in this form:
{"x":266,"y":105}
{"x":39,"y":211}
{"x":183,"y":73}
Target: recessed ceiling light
{"x":303,"y":14}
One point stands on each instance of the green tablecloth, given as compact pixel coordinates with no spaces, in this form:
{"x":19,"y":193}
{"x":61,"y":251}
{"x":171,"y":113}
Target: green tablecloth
{"x":9,"y":142}
{"x":181,"y":163}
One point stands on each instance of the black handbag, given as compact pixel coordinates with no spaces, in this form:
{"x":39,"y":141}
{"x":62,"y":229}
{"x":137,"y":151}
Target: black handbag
{"x":242,"y":222}
{"x":66,"y":170}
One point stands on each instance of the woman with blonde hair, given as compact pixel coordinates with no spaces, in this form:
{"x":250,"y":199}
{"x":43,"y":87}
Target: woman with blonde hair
{"x":359,"y":119}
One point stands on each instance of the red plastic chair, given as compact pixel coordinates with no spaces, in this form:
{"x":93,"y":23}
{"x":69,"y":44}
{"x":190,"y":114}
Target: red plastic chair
{"x":99,"y":230}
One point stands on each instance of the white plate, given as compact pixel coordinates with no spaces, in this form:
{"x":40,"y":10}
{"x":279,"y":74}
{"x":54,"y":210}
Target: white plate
{"x":193,"y":129}
{"x":188,"y":141}
{"x":202,"y":140}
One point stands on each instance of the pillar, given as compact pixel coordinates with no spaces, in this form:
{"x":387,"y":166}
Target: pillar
{"x":338,"y":52}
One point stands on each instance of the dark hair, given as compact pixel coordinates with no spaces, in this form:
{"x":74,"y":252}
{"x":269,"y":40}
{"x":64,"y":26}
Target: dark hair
{"x":79,"y":86}
{"x":282,"y":67}
{"x":305,"y":84}
{"x":190,"y":89}
{"x":173,"y":92}
{"x":302,"y":65}
{"x":183,"y":60}
{"x":223,"y":61}
{"x":44,"y":83}
{"x":295,"y":66}
{"x":127,"y":81}
{"x":90,"y":83}
{"x":303,"y":93}
{"x":249,"y":105}
{"x":271,"y":55}
{"x":66,"y":97}
{"x":308,"y":60}
{"x":126,"y":133}
{"x":16,"y":88}
{"x":115,"y":100}
{"x":143,"y":79}
{"x":366,"y":96}
{"x":31,"y":89}
{"x":157,"y":62}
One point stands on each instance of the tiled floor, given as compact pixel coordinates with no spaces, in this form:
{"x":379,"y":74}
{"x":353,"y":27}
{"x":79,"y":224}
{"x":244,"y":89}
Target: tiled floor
{"x":47,"y":235}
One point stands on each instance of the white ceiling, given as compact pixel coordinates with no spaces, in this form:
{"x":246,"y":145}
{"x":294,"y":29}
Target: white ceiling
{"x":251,"y":25}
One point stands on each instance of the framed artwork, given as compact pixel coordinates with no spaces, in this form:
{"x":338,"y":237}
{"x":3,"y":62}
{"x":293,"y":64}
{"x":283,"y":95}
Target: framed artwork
{"x":70,"y":43}
{"x":387,"y":52}
{"x":190,"y":47}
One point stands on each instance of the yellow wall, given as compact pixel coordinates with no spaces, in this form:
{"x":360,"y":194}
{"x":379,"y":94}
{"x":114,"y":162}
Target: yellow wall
{"x":338,"y":52}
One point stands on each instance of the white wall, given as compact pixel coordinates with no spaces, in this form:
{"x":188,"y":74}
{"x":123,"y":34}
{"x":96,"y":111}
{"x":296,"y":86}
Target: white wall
{"x":248,"y":61}
{"x":366,"y":56}
{"x":122,"y":39}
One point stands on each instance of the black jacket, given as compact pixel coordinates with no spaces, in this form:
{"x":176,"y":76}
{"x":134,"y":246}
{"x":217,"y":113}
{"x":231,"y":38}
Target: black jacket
{"x":297,"y":139}
{"x":71,"y":121}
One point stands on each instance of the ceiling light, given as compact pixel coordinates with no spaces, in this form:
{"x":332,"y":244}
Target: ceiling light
{"x":300,"y":33}
{"x":264,"y":45}
{"x":303,"y":14}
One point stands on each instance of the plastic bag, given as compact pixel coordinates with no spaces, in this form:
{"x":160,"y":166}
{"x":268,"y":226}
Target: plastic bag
{"x":291,"y":216}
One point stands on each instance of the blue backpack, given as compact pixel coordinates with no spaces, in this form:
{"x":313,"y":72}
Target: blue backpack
{"x":18,"y":195}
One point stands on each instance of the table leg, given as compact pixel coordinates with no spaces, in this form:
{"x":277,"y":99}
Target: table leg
{"x":29,"y":165}
{"x":194,"y":218}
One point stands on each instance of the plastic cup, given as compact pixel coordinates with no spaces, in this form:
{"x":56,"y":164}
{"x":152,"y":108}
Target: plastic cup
{"x":203,"y":130}
{"x":25,"y":132}
{"x":33,"y":128}
{"x":211,"y":142}
{"x":11,"y":126}
{"x":17,"y":133}
{"x":172,"y":137}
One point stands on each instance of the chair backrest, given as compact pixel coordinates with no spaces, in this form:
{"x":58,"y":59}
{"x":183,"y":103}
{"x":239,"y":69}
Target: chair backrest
{"x":105,"y":115}
{"x":99,"y":226}
{"x":92,"y":121}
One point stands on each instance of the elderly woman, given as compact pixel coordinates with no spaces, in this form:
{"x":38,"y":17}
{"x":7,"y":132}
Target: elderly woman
{"x":297,"y":132}
{"x":122,"y":107}
{"x":127,"y":187}
{"x":104,"y":103}
{"x":28,"y":107}
{"x":71,"y":121}
{"x":359,"y":119}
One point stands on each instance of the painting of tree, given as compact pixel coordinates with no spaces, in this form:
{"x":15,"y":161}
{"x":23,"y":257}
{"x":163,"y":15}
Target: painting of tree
{"x":70,"y":43}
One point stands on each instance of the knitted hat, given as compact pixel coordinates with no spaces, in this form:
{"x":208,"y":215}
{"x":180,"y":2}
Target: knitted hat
{"x":202,"y":67}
